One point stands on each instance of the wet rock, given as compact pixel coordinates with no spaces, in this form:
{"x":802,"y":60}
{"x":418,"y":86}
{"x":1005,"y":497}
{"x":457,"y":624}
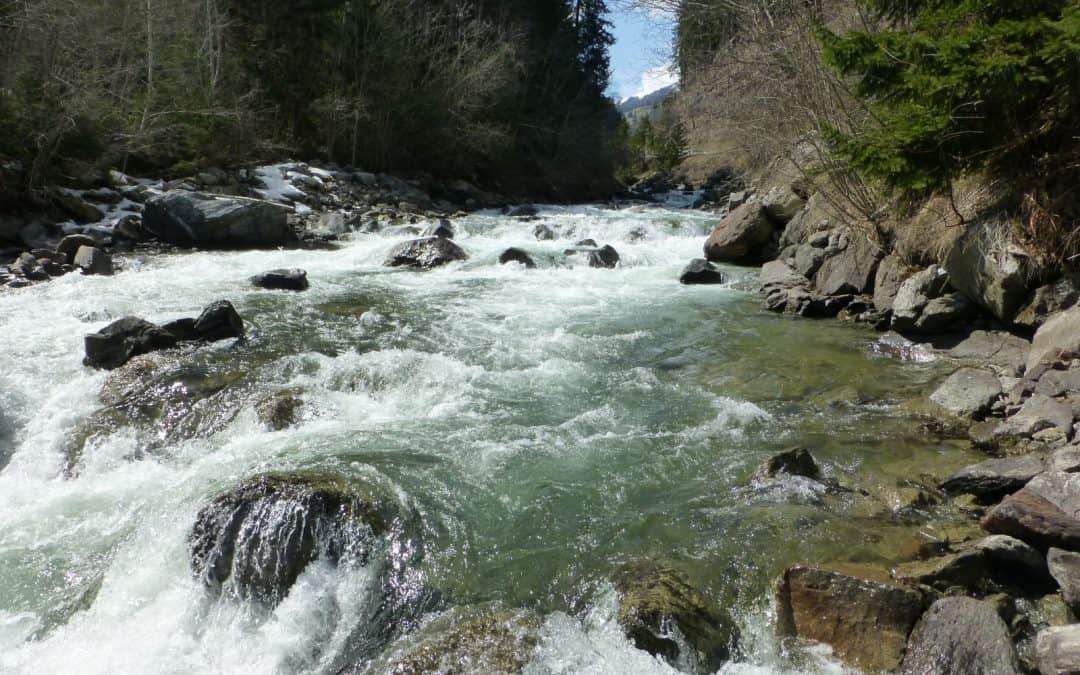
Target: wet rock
{"x":1058,"y":650}
{"x":969,"y":392}
{"x":441,"y":229}
{"x":516,"y":255}
{"x":193,"y":219}
{"x":1057,"y":339}
{"x":1012,"y":561}
{"x":282,"y":280}
{"x":543,"y":233}
{"x":604,"y":258}
{"x":891,"y":274}
{"x":1042,"y":514}
{"x":183,"y":329}
{"x":793,"y":462}
{"x":523,"y":211}
{"x":960,"y":635}
{"x":280,"y":410}
{"x":865,"y":621}
{"x":849,"y":266}
{"x":219,"y":321}
{"x":93,"y":261}
{"x":426,"y":253}
{"x":701,"y":271}
{"x":465,"y":640}
{"x":130,"y":228}
{"x":744,"y":236}
{"x":254,"y":540}
{"x":114,"y":345}
{"x":966,"y":568}
{"x":74,"y":206}
{"x":655,"y":601}
{"x":29,"y":267}
{"x":71,"y":244}
{"x":995,"y":478}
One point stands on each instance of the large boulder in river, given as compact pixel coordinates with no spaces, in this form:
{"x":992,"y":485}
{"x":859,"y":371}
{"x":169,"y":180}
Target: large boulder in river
{"x":605,"y":257}
{"x":425,"y":253}
{"x":961,"y":635}
{"x":193,"y":219}
{"x":657,"y":608}
{"x":1043,"y":513}
{"x":219,"y":321}
{"x":254,"y":540}
{"x":744,"y":236}
{"x":117,"y":343}
{"x":282,"y":280}
{"x":699,"y":272}
{"x":865,"y":621}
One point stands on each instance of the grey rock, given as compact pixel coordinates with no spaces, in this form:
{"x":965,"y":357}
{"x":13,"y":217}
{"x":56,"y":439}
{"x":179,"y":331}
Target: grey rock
{"x":969,"y":392}
{"x":193,"y":219}
{"x":425,"y":253}
{"x":782,"y":203}
{"x":810,"y":224}
{"x":219,"y":321}
{"x":282,"y":280}
{"x":989,"y":269}
{"x":1058,"y":338}
{"x":71,"y":244}
{"x":75,"y":207}
{"x":745,"y":235}
{"x":543,"y":233}
{"x":91,"y":260}
{"x":1066,"y":460}
{"x":102,"y":196}
{"x":1065,"y":568}
{"x":280,"y":410}
{"x":1058,"y":650}
{"x":1042,"y":514}
{"x":808,"y":260}
{"x":1003,"y":352}
{"x":117,"y":343}
{"x":1046,"y":301}
{"x":1011,"y":559}
{"x":29,"y":267}
{"x":966,"y":569}
{"x":914,"y":294}
{"x":441,"y":229}
{"x":1056,"y":383}
{"x":701,"y":271}
{"x":1040,"y":413}
{"x":605,"y":257}
{"x":995,"y":478}
{"x":949,"y":312}
{"x":851,"y":269}
{"x":891,"y":274}
{"x":516,"y":255}
{"x":961,"y":635}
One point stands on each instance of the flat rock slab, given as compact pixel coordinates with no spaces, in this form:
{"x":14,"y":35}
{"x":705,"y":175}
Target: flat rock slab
{"x":968,"y":392}
{"x":1058,"y":650}
{"x":1043,"y":513}
{"x":995,"y":478}
{"x":961,"y":635}
{"x":866,"y":622}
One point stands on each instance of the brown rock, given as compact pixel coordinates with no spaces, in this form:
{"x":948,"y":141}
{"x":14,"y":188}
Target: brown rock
{"x":1042,"y":514}
{"x":743,"y":236}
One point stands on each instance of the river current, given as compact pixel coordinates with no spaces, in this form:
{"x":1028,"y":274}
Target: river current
{"x":547,"y":424}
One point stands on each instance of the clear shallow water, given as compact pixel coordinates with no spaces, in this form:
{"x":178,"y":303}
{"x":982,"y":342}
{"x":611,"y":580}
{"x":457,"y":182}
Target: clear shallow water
{"x":548,"y":425}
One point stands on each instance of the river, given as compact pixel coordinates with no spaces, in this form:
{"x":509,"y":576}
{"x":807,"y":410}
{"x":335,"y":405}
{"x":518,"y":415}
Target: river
{"x":547,"y":424}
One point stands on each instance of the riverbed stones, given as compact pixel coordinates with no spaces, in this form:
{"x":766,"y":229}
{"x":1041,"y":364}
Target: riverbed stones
{"x":1041,"y":413}
{"x":219,"y":321}
{"x":516,"y":255}
{"x":254,"y":540}
{"x":960,"y":635}
{"x":93,"y":261}
{"x":1043,"y":513}
{"x":427,"y":253}
{"x":969,"y":392}
{"x":654,"y":600}
{"x":30,"y":267}
{"x":743,"y":236}
{"x":865,"y":621}
{"x":1058,"y":650}
{"x":196,"y":220}
{"x":114,"y":345}
{"x":965,"y":568}
{"x":701,"y":272}
{"x":605,"y":257}
{"x":995,"y":478}
{"x":282,"y":280}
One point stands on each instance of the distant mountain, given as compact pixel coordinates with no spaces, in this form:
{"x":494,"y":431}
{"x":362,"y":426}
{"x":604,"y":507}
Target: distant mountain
{"x":629,"y":105}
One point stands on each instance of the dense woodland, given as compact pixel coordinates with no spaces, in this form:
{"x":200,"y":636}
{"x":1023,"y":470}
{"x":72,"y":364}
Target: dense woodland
{"x":508,"y":93}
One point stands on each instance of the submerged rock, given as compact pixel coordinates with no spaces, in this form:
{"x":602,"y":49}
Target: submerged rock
{"x":543,"y":233}
{"x":604,"y":258}
{"x":282,"y":280}
{"x":701,"y":271}
{"x":516,"y":255}
{"x":280,"y":410}
{"x":193,"y":219}
{"x":960,"y":635}
{"x":254,"y":540}
{"x":658,"y":608}
{"x":865,"y":621}
{"x":425,"y":253}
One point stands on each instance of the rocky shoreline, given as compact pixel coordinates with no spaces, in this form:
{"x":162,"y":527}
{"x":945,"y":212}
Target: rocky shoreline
{"x":1004,"y":601}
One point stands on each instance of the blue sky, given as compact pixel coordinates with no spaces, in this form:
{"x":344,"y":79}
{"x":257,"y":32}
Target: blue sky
{"x":641,"y":55}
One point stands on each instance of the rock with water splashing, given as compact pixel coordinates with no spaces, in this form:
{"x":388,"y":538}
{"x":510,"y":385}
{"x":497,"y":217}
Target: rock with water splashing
{"x":280,"y":410}
{"x":282,"y":280}
{"x":701,"y":271}
{"x":960,"y":635}
{"x":255,"y":540}
{"x":219,"y":321}
{"x":523,"y":211}
{"x":543,"y":233}
{"x":604,"y":258}
{"x":794,"y":461}
{"x":441,"y":229}
{"x":115,"y":344}
{"x":516,"y":255}
{"x":425,"y":254}
{"x":664,"y":616}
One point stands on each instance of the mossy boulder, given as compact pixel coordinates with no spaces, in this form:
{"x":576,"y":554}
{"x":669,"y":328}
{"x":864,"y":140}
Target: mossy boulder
{"x":255,"y":540}
{"x":656,"y":601}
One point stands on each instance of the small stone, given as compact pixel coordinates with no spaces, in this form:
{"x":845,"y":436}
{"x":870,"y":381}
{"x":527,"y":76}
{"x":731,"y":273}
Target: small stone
{"x":604,"y":258}
{"x":282,"y":280}
{"x":543,"y":233}
{"x":794,"y":461}
{"x":701,"y":271}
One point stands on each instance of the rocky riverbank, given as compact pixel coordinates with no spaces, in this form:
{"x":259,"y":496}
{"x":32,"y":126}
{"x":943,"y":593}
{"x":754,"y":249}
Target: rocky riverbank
{"x":958,"y":281}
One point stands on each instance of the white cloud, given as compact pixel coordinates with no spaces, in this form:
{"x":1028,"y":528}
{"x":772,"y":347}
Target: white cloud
{"x":657,"y":78}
